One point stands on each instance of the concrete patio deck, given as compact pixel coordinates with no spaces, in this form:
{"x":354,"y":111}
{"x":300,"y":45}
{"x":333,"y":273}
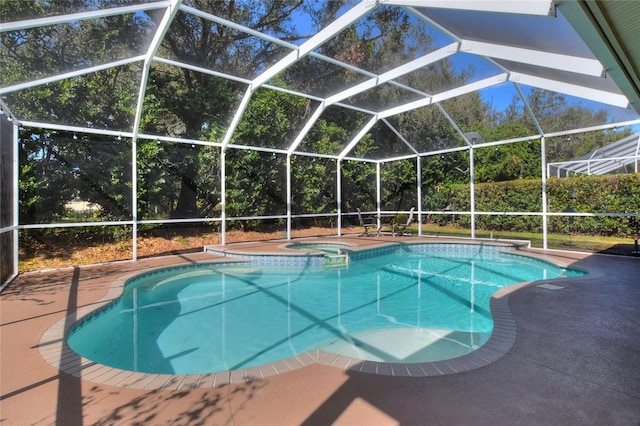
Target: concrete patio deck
{"x":576,"y":360}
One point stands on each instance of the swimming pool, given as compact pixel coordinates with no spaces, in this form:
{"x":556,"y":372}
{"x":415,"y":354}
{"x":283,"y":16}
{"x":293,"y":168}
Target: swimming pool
{"x":408,"y":303}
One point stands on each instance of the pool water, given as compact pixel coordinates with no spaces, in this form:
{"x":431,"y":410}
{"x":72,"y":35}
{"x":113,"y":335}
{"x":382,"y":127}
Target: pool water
{"x":414,"y":304}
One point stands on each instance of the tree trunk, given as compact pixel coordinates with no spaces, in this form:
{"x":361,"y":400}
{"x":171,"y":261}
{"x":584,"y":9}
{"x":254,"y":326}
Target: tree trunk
{"x":186,"y":207}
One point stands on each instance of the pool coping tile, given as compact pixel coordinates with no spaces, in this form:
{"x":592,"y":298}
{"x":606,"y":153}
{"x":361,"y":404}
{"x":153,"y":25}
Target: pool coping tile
{"x":237,"y":376}
{"x":251,"y":374}
{"x":398,"y":369}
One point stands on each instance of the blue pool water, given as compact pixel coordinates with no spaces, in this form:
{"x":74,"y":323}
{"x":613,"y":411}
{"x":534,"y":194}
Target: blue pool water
{"x":413,"y":303}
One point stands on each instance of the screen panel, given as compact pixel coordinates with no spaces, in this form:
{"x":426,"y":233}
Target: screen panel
{"x":7,"y":184}
{"x":73,"y":177}
{"x":313,"y":183}
{"x":6,"y":256}
{"x":358,"y":186}
{"x":178,"y":180}
{"x":100,"y":100}
{"x":256,"y":183}
{"x":399,"y":189}
{"x":72,"y":246}
{"x":176,"y":238}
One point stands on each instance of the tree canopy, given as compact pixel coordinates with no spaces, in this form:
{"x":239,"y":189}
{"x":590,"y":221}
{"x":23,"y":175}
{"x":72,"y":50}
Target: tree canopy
{"x":183,"y":179}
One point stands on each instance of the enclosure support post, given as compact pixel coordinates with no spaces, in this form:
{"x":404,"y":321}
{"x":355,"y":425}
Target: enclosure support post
{"x":378,"y":191}
{"x":288,"y":196}
{"x":543,"y":159}
{"x":419,"y":192}
{"x":339,"y":195}
{"x":223,"y":197}
{"x":637,"y":155}
{"x":16,"y":193}
{"x":134,"y":195}
{"x":169,"y":14}
{"x":472,"y":194}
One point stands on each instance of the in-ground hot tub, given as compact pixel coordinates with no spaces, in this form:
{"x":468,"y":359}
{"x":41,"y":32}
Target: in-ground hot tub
{"x":336,"y":248}
{"x":334,"y":253}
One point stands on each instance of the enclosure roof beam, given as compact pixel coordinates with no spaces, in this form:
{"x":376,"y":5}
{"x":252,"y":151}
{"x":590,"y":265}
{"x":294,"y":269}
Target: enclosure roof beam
{"x":167,"y":18}
{"x":528,"y":108}
{"x":444,"y":151}
{"x":80,"y":16}
{"x":507,"y":141}
{"x":593,"y":128}
{"x":76,"y":73}
{"x":4,"y":109}
{"x":453,"y":124}
{"x":471,"y":87}
{"x":307,"y":127}
{"x":530,"y":7}
{"x":357,"y":137}
{"x":236,"y":26}
{"x":201,"y":70}
{"x":398,"y":158}
{"x":557,"y":61}
{"x":293,"y":92}
{"x":237,"y":116}
{"x":76,"y":129}
{"x":459,"y":91}
{"x":314,"y":42}
{"x":395,"y":73}
{"x":584,"y":92}
{"x":402,"y":138}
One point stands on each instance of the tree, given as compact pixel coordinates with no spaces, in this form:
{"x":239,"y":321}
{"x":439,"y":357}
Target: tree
{"x":509,"y":161}
{"x":185,"y":103}
{"x":257,"y":180}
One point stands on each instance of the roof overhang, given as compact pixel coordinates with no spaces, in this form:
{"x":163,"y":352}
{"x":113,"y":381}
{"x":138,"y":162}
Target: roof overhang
{"x":610,"y":29}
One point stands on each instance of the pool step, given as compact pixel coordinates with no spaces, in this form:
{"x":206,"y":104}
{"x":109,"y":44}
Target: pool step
{"x":336,"y":259}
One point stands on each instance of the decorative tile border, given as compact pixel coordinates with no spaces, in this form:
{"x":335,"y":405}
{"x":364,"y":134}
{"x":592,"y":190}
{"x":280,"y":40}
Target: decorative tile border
{"x":294,"y":259}
{"x":467,"y":249}
{"x":54,"y":349}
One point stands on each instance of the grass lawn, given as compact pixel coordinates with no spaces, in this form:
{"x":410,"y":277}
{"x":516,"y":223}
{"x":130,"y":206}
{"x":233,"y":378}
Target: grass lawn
{"x":588,"y":243}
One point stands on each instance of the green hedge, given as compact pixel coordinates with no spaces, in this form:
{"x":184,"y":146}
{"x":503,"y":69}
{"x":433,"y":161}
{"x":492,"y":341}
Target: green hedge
{"x":585,"y":194}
